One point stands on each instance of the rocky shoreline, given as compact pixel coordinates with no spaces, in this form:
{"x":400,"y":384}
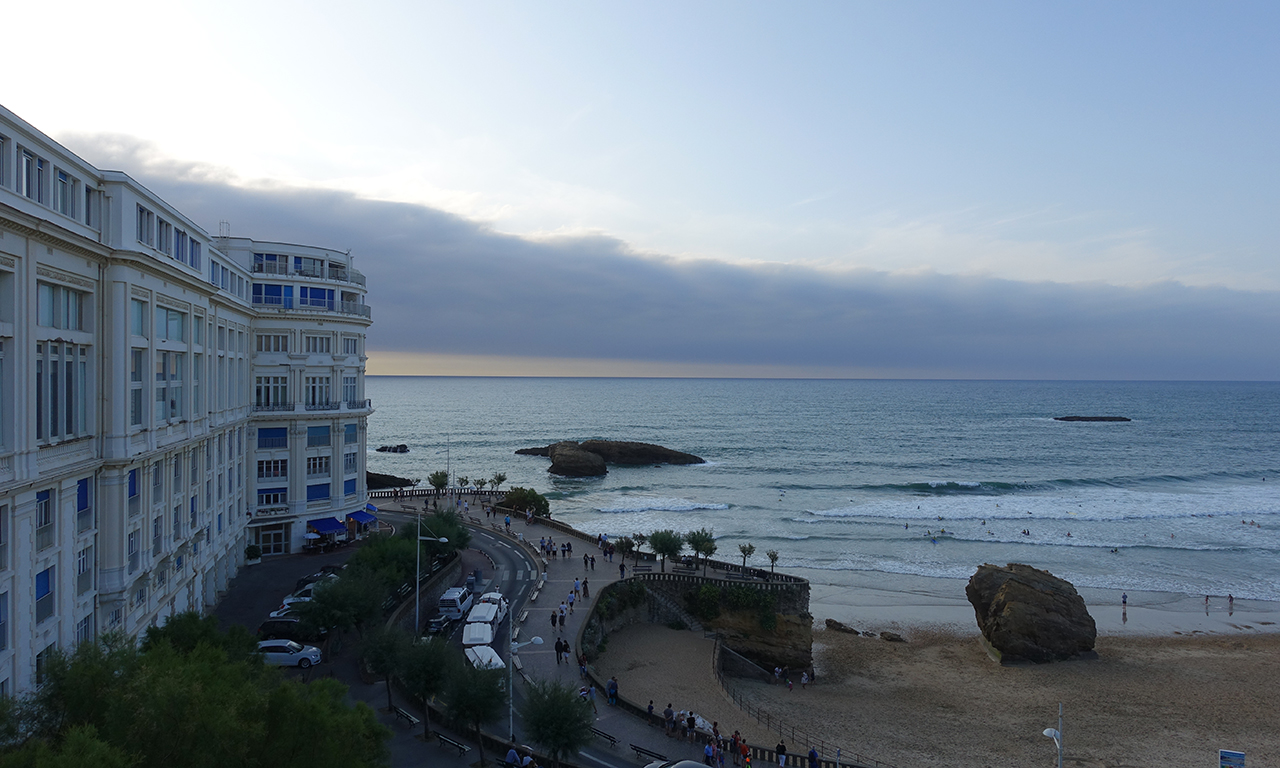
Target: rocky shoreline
{"x":591,"y":458}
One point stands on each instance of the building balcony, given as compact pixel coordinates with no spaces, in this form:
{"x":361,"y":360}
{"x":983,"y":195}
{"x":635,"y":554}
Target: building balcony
{"x":257,"y":407}
{"x":288,"y":304}
{"x":44,"y":537}
{"x":358,"y":405}
{"x":323,"y":406}
{"x":274,"y":510}
{"x":341,"y":274}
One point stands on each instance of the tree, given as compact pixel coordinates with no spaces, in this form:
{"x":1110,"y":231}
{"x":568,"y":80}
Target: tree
{"x":476,"y":696}
{"x":480,"y":484}
{"x":702,"y":542}
{"x":747,"y":550}
{"x":556,"y":718}
{"x":625,"y":546}
{"x":773,"y":559}
{"x":640,"y":539}
{"x":438,"y":479}
{"x":349,"y":602}
{"x":381,"y":652}
{"x":497,"y":480}
{"x":425,"y":668}
{"x":312,"y":725}
{"x":666,"y":543}
{"x":463,"y":481}
{"x":527,"y":500}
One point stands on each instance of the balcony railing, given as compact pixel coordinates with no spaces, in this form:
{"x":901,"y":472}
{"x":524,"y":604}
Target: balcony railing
{"x":135,"y":505}
{"x":156,"y":546}
{"x":273,"y":442}
{"x":322,"y":405}
{"x":312,"y":305}
{"x":44,"y":607}
{"x":84,"y":582}
{"x":358,"y":405}
{"x":334,"y":273}
{"x":273,"y":407}
{"x":267,"y":511}
{"x":84,"y":520}
{"x":133,"y":562}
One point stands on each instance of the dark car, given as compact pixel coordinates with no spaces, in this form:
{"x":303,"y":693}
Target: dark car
{"x":306,"y":581}
{"x":440,"y":625}
{"x":290,"y":628}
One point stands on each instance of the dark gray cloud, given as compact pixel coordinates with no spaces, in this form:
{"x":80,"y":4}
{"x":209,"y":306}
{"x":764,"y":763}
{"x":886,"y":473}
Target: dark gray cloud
{"x":443,"y":284}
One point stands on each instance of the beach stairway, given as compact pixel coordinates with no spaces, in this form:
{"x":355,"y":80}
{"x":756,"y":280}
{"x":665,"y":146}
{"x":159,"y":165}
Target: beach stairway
{"x":663,"y":609}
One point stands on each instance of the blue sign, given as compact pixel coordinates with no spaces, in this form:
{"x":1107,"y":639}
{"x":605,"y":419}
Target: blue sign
{"x":1229,"y":759}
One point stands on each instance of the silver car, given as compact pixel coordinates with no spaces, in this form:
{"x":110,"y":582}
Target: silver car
{"x":289,"y":653}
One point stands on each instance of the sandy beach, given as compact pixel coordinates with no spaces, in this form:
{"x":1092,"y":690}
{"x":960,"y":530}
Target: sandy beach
{"x":1169,"y":687}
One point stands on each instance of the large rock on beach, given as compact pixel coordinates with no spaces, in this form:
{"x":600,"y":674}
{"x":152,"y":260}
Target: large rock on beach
{"x":837,"y":626}
{"x":567,"y":457}
{"x":569,"y":460}
{"x":1027,"y":614}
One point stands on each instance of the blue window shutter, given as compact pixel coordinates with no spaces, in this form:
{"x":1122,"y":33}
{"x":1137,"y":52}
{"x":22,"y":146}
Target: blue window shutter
{"x":133,"y":482}
{"x":82,"y":495}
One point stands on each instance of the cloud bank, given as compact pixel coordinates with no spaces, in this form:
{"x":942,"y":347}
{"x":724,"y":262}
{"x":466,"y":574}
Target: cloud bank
{"x":444,"y":285}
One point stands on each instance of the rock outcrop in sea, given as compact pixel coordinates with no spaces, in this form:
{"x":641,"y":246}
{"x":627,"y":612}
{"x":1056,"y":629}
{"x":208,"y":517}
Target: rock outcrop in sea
{"x":1092,"y":418}
{"x":588,"y":458}
{"x":1027,"y":614}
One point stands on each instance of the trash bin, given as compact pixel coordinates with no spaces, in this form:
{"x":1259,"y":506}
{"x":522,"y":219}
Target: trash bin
{"x":471,"y":583}
{"x":520,"y":536}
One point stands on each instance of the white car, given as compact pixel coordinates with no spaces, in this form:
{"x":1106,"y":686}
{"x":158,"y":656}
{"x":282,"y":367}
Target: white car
{"x":484,"y":657}
{"x":477,"y":634}
{"x":288,"y":653}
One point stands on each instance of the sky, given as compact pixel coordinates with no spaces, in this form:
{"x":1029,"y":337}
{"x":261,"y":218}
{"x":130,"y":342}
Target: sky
{"x":853,"y":189}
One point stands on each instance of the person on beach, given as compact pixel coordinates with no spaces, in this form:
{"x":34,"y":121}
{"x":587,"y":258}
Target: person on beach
{"x":804,"y":680}
{"x":708,"y":754}
{"x":693,"y":726}
{"x":781,"y":750}
{"x":1124,"y":598}
{"x":669,"y":715}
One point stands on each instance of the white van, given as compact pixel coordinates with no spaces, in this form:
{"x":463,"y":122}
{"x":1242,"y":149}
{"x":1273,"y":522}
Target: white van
{"x":476,"y":634}
{"x":491,"y":610}
{"x":455,"y":602}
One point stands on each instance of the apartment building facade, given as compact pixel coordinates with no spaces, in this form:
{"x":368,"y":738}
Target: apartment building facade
{"x":145,"y":367}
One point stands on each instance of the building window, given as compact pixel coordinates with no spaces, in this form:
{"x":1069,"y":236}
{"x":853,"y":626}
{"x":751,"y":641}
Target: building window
{"x":146,"y":226}
{"x":317,"y":492}
{"x":273,"y":342}
{"x":169,"y":385}
{"x":59,"y":307}
{"x":350,"y":346}
{"x":84,"y":570}
{"x":195,"y":516}
{"x":4,"y":621}
{"x":317,"y":390}
{"x":44,"y":594}
{"x":321,"y":298}
{"x":349,"y":434}
{"x":4,"y":538}
{"x":164,"y":237}
{"x":197,"y":374}
{"x":170,"y":324}
{"x":177,"y":522}
{"x":135,"y":497}
{"x":317,"y":345}
{"x":84,"y":504}
{"x":348,"y":463}
{"x":219,"y":522}
{"x":273,"y":437}
{"x":271,"y":392}
{"x":32,"y":172}
{"x":268,"y":497}
{"x":42,"y":662}
{"x":157,"y":535}
{"x":64,"y":198}
{"x":137,"y":365}
{"x":133,"y":551}
{"x":86,"y":629}
{"x":195,"y":255}
{"x":317,"y":466}
{"x":349,"y":390}
{"x":349,"y":487}
{"x":138,"y":317}
{"x":61,"y":395}
{"x":157,"y":483}
{"x":273,"y":468}
{"x":316,"y":436}
{"x":44,"y":520}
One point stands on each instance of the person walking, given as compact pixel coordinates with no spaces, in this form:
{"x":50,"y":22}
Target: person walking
{"x":586,"y":591}
{"x":591,"y":696}
{"x":571,"y":599}
{"x":622,"y":571}
{"x":577,"y":587}
{"x":813,"y":757}
{"x":593,"y":562}
{"x":781,"y":750}
{"x":554,"y":618}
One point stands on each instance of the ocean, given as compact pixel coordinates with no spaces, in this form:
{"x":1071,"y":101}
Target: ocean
{"x":909,"y":478}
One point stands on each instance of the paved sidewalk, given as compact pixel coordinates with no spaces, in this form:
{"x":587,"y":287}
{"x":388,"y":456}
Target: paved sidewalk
{"x":540,"y":660}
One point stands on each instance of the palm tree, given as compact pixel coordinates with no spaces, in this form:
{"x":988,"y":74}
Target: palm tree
{"x":497,"y":480}
{"x":747,"y":550}
{"x":773,"y":559}
{"x":640,"y":539}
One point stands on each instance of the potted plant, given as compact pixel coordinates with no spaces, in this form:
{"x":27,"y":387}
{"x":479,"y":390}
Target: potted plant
{"x":252,"y":554}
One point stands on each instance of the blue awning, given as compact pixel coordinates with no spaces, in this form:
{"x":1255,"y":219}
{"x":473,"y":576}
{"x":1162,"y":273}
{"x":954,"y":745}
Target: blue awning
{"x":360,"y":516}
{"x":370,"y":508}
{"x":327,"y":525}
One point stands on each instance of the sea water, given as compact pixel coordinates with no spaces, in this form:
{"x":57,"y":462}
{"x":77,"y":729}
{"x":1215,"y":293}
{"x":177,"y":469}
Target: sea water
{"x":920,"y":478}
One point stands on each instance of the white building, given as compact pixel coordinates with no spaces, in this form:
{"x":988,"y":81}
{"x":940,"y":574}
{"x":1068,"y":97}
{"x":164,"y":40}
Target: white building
{"x":166,"y":398}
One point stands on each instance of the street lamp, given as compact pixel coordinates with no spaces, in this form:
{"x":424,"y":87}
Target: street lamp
{"x":1056,"y":735}
{"x":511,"y":701}
{"x":417,"y":585}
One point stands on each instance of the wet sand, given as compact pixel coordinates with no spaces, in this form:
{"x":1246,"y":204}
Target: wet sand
{"x":938,"y":700}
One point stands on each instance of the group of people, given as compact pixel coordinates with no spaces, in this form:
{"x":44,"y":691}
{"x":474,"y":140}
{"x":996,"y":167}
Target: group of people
{"x":550,"y":549}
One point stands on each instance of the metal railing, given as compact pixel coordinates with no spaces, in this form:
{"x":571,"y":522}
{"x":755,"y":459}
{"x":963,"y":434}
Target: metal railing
{"x":84,"y":582}
{"x":273,"y":442}
{"x":273,"y":406}
{"x":323,"y":405}
{"x":357,"y":405}
{"x":312,"y":305}
{"x":44,"y":537}
{"x":341,"y":274}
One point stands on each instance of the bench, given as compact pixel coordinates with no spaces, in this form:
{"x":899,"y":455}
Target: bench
{"x":533,"y":597}
{"x":515,"y":662}
{"x":523,"y":615}
{"x":613,"y":741}
{"x":515,"y":634}
{"x":642,"y":752}
{"x":404,"y":714}
{"x":642,"y":569}
{"x":445,"y":741}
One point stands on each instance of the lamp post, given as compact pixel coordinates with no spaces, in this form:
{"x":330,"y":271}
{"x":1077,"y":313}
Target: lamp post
{"x":417,"y":584}
{"x":511,"y":701}
{"x":1056,"y":735}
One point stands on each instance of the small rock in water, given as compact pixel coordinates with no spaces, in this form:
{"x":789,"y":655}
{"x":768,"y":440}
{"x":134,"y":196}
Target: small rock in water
{"x":892,"y":637}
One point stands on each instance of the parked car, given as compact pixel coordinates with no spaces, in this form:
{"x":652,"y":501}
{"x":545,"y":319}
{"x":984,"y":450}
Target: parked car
{"x":440,"y":625}
{"x":290,"y":628}
{"x":288,"y":608}
{"x":289,"y":653}
{"x":319,"y":576}
{"x":484,"y":657}
{"x":455,"y":602}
